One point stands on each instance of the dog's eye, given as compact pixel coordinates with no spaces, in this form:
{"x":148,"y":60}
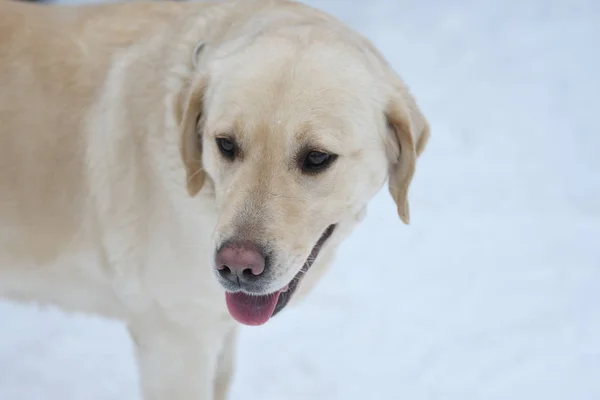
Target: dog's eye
{"x":316,"y":161}
{"x":226,"y":147}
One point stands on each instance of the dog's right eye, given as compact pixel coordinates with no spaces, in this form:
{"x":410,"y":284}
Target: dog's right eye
{"x":227,"y":147}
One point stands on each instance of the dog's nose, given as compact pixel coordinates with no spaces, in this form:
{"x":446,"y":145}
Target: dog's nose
{"x":240,"y":262}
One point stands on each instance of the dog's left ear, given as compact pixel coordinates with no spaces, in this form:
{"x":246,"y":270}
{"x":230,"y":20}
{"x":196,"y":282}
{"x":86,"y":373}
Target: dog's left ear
{"x":410,"y":132}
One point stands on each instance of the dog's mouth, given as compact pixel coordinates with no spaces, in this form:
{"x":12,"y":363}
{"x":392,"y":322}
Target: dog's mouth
{"x":253,"y":310}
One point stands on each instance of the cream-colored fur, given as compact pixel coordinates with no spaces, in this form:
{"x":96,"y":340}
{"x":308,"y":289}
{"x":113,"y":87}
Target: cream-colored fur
{"x":113,"y":195}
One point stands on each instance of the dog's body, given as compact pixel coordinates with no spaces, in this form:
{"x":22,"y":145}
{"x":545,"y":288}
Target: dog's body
{"x":109,"y":202}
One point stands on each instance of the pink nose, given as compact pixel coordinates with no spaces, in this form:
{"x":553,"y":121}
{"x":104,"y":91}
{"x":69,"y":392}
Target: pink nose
{"x":240,"y":262}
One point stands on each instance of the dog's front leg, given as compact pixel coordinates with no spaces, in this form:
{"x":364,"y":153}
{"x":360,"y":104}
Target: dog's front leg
{"x":175,"y":362}
{"x":226,"y":365}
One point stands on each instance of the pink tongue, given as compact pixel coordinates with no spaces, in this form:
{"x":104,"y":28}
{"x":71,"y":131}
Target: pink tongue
{"x":251,"y":310}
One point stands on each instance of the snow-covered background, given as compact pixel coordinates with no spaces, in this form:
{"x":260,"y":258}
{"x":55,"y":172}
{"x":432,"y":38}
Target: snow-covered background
{"x":492,"y":293}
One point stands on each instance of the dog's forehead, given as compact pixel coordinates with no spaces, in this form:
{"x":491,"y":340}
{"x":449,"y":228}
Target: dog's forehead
{"x":320,"y":90}
{"x":314,"y":71}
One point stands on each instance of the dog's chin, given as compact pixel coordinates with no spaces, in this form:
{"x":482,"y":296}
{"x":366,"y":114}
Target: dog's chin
{"x":257,"y":309}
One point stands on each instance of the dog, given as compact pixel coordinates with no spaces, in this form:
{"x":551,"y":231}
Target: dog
{"x":188,"y":167}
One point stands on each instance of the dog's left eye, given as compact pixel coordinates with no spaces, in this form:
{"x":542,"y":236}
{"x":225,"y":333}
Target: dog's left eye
{"x":316,"y":161}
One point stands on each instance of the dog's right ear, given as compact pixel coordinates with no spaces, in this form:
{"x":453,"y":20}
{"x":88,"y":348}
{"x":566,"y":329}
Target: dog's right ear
{"x":191,"y":140}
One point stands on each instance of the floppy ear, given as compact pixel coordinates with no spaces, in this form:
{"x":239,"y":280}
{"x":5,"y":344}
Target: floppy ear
{"x":411,"y":133}
{"x":191,"y":141}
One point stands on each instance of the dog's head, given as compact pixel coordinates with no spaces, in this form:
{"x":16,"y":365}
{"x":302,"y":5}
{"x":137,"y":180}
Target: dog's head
{"x":296,"y":130}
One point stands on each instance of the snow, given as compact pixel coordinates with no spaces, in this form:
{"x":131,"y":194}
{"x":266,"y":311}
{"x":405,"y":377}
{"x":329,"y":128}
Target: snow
{"x":491,"y":293}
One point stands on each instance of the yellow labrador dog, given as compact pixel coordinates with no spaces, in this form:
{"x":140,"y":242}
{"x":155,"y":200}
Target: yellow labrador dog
{"x":183,"y":166}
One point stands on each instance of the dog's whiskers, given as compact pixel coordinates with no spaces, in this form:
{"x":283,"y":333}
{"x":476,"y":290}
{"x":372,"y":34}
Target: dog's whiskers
{"x":283,"y":196}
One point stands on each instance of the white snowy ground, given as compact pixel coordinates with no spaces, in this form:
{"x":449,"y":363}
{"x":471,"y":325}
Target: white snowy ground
{"x":492,"y":293}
